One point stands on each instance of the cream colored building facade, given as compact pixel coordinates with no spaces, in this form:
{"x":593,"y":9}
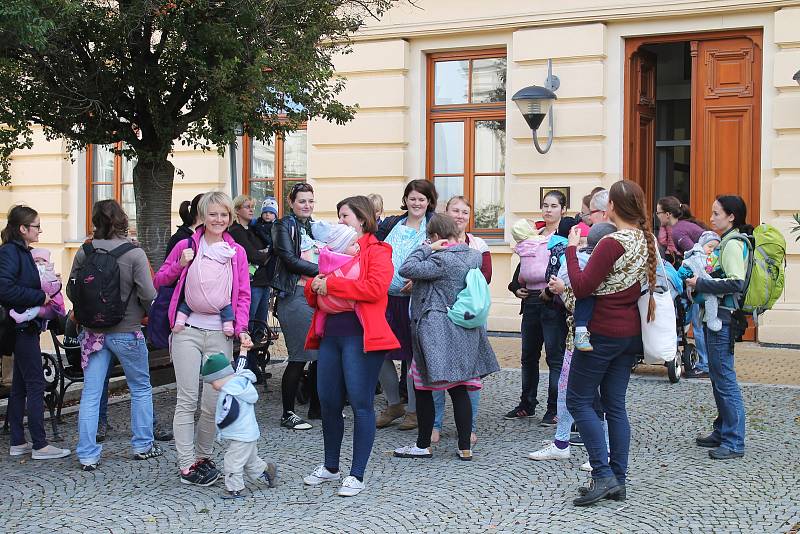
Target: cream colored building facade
{"x":388,"y":143}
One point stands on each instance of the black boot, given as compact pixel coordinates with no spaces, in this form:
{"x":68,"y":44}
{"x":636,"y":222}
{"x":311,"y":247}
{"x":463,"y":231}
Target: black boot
{"x":711,"y":441}
{"x":599,"y":489}
{"x":583,"y":490}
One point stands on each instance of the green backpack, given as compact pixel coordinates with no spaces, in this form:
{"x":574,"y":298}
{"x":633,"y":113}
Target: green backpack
{"x":766,"y":262}
{"x":471,"y":308}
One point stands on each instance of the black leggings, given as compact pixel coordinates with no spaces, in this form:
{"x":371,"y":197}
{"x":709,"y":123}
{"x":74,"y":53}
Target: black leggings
{"x":291,"y":381}
{"x":426,"y":412}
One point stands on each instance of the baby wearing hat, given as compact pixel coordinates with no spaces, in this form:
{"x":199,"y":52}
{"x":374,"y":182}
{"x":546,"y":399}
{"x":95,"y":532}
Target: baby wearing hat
{"x":51,"y":285}
{"x":584,"y":308}
{"x":236,"y":422}
{"x":700,"y":261}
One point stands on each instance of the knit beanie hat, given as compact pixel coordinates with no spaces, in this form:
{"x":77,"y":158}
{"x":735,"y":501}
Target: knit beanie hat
{"x":523,"y":230}
{"x":598,"y":232}
{"x":41,"y":254}
{"x":215,"y":367}
{"x":340,"y":237}
{"x":320,"y":230}
{"x":565,"y":226}
{"x":270,"y":205}
{"x":707,"y":237}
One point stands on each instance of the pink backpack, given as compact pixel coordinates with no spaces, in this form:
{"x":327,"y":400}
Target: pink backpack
{"x":534,"y":258}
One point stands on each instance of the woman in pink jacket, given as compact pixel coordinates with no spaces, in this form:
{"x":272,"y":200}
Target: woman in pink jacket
{"x":200,"y":267}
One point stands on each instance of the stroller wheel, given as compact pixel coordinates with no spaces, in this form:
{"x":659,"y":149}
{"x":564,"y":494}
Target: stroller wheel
{"x":690,"y":357}
{"x":675,"y":369}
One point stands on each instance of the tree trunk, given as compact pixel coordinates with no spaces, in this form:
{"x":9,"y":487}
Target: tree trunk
{"x":152,"y":185}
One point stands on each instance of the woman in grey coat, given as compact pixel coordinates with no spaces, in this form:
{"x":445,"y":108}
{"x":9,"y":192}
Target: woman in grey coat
{"x":446,"y":356}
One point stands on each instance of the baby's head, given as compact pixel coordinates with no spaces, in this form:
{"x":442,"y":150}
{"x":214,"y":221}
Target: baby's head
{"x":522,"y":230}
{"x":217,"y":370}
{"x":597,"y":232}
{"x":269,"y":209}
{"x":709,"y":241}
{"x":41,"y":255}
{"x":342,"y":239}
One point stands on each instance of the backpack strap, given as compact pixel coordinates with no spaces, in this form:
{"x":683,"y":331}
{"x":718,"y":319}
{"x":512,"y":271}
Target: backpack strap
{"x":749,"y":250}
{"x":88,"y":248}
{"x":122,"y":249}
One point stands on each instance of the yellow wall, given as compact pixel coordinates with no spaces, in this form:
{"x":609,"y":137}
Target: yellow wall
{"x":384,"y":147}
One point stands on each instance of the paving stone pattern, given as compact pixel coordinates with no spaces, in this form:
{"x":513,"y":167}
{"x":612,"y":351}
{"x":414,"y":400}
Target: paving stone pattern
{"x":673,"y":486}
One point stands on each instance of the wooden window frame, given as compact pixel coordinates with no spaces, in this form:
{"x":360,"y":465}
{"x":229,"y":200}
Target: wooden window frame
{"x":467,"y":114}
{"x":117,"y":182}
{"x":247,"y":156}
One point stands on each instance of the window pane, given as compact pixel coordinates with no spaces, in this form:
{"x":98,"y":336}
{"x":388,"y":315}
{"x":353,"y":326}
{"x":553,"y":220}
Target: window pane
{"x":262,"y":161}
{"x":287,"y":188}
{"x":102,"y":192}
{"x":450,"y":81}
{"x":129,"y":204}
{"x":259,"y":190}
{"x":103,"y":165}
{"x":294,"y":155}
{"x":489,"y":201}
{"x":448,"y":147}
{"x":489,"y":80}
{"x":490,"y":146}
{"x":448,"y":187}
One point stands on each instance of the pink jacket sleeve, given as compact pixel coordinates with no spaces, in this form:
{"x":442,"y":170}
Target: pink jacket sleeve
{"x":171,"y":268}
{"x":241,"y":300}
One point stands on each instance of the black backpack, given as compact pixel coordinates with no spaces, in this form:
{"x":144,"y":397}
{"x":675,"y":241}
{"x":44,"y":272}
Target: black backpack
{"x":95,"y":290}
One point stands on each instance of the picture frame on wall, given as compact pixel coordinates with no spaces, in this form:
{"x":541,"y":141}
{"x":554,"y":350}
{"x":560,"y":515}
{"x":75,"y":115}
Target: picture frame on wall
{"x":544,"y":190}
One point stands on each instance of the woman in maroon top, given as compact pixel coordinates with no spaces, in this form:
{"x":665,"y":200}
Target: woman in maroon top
{"x":683,"y":229}
{"x":619,"y":265}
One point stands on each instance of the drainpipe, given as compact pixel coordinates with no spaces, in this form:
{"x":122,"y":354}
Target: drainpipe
{"x":233,"y":172}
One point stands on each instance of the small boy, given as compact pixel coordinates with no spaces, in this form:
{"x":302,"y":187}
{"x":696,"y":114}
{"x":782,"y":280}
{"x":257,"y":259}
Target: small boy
{"x":700,"y":261}
{"x":236,"y":421}
{"x":584,"y":308}
{"x":377,"y":204}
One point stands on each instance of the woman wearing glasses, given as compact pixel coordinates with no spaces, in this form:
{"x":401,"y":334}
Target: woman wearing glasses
{"x":21,"y":288}
{"x":294,"y":313}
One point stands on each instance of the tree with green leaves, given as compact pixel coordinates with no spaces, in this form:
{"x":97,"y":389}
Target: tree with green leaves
{"x":150,"y":73}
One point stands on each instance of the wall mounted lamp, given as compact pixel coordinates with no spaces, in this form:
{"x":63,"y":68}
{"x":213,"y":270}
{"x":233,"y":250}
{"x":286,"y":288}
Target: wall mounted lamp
{"x":797,"y":77}
{"x":534,"y":103}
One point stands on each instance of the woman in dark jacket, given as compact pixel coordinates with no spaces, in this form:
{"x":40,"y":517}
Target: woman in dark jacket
{"x":294,"y":313}
{"x":188,"y":213}
{"x":21,"y":288}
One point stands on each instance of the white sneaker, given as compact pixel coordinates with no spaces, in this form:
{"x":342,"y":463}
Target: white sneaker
{"x":49,"y":453}
{"x":321,"y":475}
{"x":412,"y":452}
{"x":586,"y":467}
{"x":551,"y":452}
{"x":351,"y":487}
{"x":19,"y":450}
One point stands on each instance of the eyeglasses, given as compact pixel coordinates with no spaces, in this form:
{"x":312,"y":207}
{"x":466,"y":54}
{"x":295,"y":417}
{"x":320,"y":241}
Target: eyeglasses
{"x":661,"y":213}
{"x":592,"y":212}
{"x":37,"y":226}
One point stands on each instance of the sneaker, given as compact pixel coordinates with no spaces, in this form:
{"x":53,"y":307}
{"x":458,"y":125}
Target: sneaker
{"x":389,"y":415}
{"x":582,"y":342}
{"x":551,"y":452}
{"x":586,"y":466}
{"x":90,"y":467}
{"x":153,"y":452}
{"x":102,"y":431}
{"x":201,"y":474}
{"x":465,"y":456}
{"x":518,"y":413}
{"x":412,"y":452}
{"x":229,"y":494}
{"x":49,"y":453}
{"x":696,"y":373}
{"x":20,"y":450}
{"x":321,"y":475}
{"x":351,"y":487}
{"x":575,"y":439}
{"x":548,"y":420}
{"x":409,"y":422}
{"x":294,"y":422}
{"x":162,"y":434}
{"x":269,"y":476}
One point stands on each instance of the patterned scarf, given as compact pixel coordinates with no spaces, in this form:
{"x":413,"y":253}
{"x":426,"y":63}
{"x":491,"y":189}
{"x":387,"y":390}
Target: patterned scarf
{"x":629,"y":268}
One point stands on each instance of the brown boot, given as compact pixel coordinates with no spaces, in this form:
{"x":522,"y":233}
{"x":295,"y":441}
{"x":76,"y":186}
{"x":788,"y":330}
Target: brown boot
{"x":389,"y":415}
{"x":409,"y":422}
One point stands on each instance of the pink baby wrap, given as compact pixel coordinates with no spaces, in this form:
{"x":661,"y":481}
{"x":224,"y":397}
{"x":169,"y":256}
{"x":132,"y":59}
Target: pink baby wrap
{"x":210,"y":278}
{"x":343,"y":266}
{"x":51,"y":284}
{"x":533,"y":260}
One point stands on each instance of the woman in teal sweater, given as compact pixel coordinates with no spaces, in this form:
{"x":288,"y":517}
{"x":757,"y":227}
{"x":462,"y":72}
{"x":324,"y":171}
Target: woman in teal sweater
{"x":728,"y":216}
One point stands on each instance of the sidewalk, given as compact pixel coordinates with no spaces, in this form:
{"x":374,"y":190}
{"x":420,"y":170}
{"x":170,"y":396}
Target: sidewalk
{"x":754,"y":363}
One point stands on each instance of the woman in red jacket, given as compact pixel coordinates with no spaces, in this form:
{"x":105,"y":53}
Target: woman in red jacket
{"x":351,"y":347}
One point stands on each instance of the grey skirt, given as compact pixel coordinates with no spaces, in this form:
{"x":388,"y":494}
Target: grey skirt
{"x":294,"y":315}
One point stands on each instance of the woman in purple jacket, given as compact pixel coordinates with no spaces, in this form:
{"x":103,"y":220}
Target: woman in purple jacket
{"x":202,"y":333}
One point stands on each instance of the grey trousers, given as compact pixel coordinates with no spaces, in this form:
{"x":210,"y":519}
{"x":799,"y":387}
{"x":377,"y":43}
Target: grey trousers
{"x":242,"y":458}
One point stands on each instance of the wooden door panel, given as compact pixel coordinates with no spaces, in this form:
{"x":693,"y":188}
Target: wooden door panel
{"x":641,"y":124}
{"x":728,"y":131}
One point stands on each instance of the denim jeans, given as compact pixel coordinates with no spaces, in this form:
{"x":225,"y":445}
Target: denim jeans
{"x":27,"y":390}
{"x":565,"y":420}
{"x":608,"y":367}
{"x":699,"y":339}
{"x":438,"y":403}
{"x":542,"y":325}
{"x":103,"y":412}
{"x":259,"y":302}
{"x":132,"y":354}
{"x":729,"y":426}
{"x":346,"y":371}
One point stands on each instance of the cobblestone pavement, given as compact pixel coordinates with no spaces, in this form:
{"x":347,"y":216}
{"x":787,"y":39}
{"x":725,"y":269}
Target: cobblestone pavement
{"x":673,"y":486}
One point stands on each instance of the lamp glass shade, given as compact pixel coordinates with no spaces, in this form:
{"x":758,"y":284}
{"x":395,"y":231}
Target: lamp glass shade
{"x":534,"y":103}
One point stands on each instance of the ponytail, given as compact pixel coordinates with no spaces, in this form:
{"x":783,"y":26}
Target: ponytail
{"x":652,"y":265}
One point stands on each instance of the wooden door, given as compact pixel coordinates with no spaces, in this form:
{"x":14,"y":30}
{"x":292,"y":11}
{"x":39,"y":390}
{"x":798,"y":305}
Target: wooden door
{"x":726,"y":119}
{"x":641,"y":135}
